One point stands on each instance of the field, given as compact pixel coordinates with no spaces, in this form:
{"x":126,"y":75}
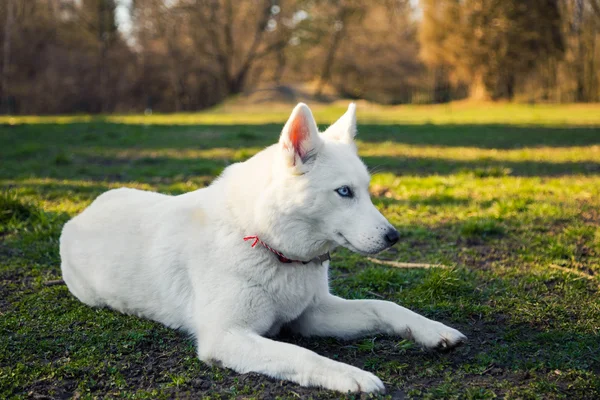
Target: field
{"x":503,"y":201}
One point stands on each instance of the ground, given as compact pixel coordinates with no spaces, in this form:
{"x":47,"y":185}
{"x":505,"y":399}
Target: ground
{"x":503,"y":200}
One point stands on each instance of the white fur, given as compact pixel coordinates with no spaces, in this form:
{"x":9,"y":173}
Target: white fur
{"x":182,"y":261}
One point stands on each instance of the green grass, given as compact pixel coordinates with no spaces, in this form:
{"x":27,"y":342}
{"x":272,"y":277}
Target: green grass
{"x":512,"y":208}
{"x":443,"y":114}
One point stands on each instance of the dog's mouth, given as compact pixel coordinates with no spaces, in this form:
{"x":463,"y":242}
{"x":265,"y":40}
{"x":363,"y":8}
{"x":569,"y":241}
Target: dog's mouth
{"x":342,"y":241}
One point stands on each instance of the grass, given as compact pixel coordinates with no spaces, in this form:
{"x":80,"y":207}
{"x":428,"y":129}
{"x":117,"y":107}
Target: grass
{"x":510,"y":206}
{"x":233,"y":113}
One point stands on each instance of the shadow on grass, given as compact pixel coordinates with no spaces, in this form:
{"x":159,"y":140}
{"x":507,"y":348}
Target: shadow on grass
{"x":167,"y":169}
{"x":210,"y":136}
{"x":424,"y":166}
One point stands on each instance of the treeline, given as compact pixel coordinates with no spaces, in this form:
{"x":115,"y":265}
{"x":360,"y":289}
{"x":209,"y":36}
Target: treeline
{"x":99,"y":56}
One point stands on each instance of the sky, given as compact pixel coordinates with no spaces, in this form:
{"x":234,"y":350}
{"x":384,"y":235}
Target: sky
{"x":122,"y":16}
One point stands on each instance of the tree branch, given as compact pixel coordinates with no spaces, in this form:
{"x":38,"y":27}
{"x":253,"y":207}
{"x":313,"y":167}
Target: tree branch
{"x":258,"y":35}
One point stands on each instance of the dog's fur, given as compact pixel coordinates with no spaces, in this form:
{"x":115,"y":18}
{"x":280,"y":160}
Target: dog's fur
{"x":182,"y":261}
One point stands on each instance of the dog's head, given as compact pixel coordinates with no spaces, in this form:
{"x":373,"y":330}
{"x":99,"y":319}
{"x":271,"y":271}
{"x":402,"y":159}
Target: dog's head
{"x":320,"y":188}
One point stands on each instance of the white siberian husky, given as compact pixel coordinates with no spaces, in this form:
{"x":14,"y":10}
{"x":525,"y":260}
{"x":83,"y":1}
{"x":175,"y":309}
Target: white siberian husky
{"x":234,"y":262}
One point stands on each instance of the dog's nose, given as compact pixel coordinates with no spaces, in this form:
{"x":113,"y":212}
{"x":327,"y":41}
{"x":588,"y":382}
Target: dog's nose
{"x":392,"y":236}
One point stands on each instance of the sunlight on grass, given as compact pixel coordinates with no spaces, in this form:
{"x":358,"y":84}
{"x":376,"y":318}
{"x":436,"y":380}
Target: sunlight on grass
{"x":444,"y":199}
{"x":549,"y":154}
{"x":220,"y":153}
{"x":452,"y":113}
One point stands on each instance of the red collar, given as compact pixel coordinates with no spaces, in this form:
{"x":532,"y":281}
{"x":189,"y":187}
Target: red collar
{"x":322,"y":258}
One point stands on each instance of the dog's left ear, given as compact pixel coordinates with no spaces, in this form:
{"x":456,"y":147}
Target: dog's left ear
{"x":344,"y":129}
{"x":300,"y":140}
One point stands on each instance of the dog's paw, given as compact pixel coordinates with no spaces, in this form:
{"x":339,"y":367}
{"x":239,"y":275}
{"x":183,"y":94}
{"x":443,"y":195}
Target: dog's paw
{"x":352,"y":379}
{"x":438,"y":336}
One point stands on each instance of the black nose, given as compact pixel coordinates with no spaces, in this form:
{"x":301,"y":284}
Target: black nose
{"x":392,"y":236}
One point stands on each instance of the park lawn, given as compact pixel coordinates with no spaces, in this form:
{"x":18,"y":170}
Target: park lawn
{"x":507,"y":211}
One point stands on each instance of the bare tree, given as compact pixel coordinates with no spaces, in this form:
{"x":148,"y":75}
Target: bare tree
{"x":236,"y":38}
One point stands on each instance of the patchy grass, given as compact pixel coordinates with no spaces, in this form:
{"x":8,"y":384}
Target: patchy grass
{"x":512,"y":210}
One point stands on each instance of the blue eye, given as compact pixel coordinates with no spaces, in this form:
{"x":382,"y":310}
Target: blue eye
{"x":344,"y":191}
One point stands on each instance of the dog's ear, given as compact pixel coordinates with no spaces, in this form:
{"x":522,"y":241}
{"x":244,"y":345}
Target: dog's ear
{"x":344,"y":129}
{"x":300,"y":139}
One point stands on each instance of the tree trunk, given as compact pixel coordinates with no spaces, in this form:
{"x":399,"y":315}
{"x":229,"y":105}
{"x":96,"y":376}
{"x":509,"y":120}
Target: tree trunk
{"x":238,"y":82}
{"x":441,"y":88}
{"x":101,"y":71}
{"x":596,"y":7}
{"x":336,"y":40}
{"x":579,"y":66}
{"x":281,"y":64}
{"x":4,"y":101}
{"x":593,"y":70}
{"x":510,"y":86}
{"x":580,"y":72}
{"x":478,"y":91}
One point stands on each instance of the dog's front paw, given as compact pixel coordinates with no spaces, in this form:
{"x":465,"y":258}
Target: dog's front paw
{"x":352,"y":379}
{"x":436,"y":335}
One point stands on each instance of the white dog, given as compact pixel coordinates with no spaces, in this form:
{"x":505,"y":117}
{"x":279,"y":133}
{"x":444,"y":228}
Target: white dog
{"x":234,"y":262}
